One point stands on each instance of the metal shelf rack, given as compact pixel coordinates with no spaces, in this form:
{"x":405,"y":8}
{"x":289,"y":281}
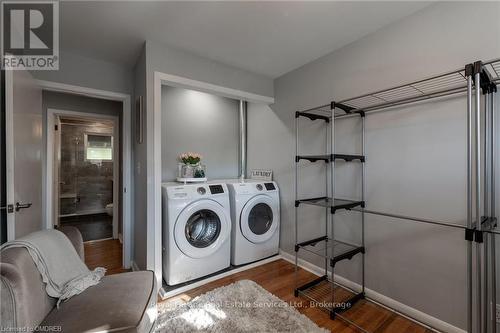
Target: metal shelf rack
{"x":333,"y":204}
{"x":325,"y":290}
{"x":478,"y":81}
{"x":333,"y":250}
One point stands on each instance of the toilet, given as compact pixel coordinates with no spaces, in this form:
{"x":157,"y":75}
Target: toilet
{"x":109,"y":209}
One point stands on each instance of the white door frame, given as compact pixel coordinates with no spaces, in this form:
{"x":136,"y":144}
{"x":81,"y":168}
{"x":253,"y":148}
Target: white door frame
{"x":50,"y":190}
{"x":9,"y":151}
{"x":126,"y":154}
{"x":153,"y":125}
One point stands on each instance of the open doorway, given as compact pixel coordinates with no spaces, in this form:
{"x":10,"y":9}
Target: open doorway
{"x":75,"y":101}
{"x":86,"y":172}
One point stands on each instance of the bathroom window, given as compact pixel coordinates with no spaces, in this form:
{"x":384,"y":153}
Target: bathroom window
{"x":98,"y":147}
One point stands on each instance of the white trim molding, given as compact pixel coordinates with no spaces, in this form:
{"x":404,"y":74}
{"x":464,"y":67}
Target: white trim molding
{"x":166,"y":294}
{"x":126,"y":152}
{"x":182,"y":82}
{"x":404,"y":310}
{"x":82,"y":91}
{"x":9,"y":151}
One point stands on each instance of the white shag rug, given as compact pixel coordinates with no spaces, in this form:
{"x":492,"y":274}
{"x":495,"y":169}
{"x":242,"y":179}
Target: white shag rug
{"x":243,"y":306}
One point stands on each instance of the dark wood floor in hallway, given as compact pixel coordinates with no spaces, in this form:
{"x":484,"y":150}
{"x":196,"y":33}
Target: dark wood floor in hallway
{"x":278,"y":278}
{"x":105,"y":253}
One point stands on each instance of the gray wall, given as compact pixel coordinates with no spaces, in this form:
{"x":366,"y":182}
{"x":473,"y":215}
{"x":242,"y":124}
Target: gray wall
{"x":71,"y":102}
{"x":140,"y":169}
{"x":415,"y":157}
{"x":176,"y":62}
{"x":87,"y":72}
{"x":194,"y":121}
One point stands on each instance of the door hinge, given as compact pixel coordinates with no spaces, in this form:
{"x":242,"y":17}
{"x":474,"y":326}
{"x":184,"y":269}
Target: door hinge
{"x":56,"y":127}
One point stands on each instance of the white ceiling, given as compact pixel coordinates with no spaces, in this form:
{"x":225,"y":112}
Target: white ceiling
{"x":269,"y":38}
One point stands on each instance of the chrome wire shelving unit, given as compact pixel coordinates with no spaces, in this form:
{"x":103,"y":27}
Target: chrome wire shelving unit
{"x":324,"y":290}
{"x":478,"y":81}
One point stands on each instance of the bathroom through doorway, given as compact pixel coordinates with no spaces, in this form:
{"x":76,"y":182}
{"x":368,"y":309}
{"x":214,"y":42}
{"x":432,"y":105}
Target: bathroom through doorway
{"x":86,"y":180}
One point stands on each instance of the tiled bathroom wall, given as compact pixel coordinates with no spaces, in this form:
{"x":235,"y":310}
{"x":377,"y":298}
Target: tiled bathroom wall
{"x":86,"y":186}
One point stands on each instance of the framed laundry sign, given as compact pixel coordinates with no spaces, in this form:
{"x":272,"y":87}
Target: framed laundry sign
{"x":261,"y":174}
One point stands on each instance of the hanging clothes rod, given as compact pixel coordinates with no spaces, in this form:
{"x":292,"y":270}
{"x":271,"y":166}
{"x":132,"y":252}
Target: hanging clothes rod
{"x":412,"y":218}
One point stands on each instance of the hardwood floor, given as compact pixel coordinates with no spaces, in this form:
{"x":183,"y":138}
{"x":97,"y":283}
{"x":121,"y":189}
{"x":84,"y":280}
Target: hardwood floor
{"x":278,"y":278}
{"x":105,"y":253}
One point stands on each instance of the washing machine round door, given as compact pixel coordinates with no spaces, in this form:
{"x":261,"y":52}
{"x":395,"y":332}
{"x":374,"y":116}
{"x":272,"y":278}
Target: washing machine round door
{"x":259,"y":219}
{"x":201,"y":228}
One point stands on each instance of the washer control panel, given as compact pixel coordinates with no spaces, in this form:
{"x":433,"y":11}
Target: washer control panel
{"x":254,"y":187}
{"x":216,"y":189}
{"x":270,"y":186}
{"x":191,"y":191}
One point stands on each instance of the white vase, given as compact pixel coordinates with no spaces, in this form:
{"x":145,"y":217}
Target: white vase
{"x":187,"y":171}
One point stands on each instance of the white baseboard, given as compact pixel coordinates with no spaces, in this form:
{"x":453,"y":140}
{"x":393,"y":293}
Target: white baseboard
{"x":120,"y":238}
{"x":166,"y":294}
{"x":134,"y":266}
{"x":400,"y":308}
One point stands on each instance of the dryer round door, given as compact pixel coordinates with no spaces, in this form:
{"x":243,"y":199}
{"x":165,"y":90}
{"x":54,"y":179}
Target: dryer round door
{"x":258,"y":220}
{"x":201,"y":228}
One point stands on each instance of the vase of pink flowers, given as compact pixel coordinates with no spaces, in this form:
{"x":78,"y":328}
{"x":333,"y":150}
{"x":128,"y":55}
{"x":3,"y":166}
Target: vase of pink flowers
{"x":190,"y":166}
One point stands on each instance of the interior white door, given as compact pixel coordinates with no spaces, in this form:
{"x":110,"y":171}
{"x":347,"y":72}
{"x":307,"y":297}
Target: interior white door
{"x":23,"y":130}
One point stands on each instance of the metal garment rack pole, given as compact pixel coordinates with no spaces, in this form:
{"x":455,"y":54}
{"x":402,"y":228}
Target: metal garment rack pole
{"x":493,"y":214}
{"x":487,"y":212}
{"x":489,"y":309}
{"x":478,"y":157}
{"x":363,"y":175}
{"x":412,"y":218}
{"x":489,"y":278}
{"x":329,"y":151}
{"x":469,"y":203}
{"x":296,"y":208}
{"x":332,"y":189}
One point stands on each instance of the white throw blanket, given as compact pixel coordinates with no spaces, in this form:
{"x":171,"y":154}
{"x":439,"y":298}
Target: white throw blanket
{"x":62,"y":269}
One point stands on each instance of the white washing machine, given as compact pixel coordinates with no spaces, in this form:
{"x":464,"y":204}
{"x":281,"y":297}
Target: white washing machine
{"x":196,"y":231}
{"x":255,"y":216}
